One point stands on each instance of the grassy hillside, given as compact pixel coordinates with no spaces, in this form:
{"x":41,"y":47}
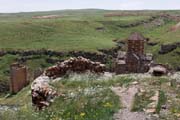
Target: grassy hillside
{"x":81,"y":30}
{"x":86,"y":96}
{"x":76,"y":30}
{"x":89,"y":96}
{"x":71,"y":32}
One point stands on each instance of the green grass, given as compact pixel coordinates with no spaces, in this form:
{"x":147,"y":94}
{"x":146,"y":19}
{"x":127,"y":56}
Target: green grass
{"x":86,"y":97}
{"x":141,"y":101}
{"x":76,"y":30}
{"x":162,"y":101}
{"x":99,"y":106}
{"x":7,"y":60}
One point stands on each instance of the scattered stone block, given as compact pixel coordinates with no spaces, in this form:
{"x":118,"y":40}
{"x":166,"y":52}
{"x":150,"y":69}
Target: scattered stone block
{"x":158,"y":70}
{"x":150,"y":111}
{"x":151,"y":108}
{"x":134,"y":83}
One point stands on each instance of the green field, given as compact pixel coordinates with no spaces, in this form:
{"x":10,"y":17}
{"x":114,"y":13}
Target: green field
{"x":75,"y":30}
{"x":86,"y":96}
{"x":80,"y":30}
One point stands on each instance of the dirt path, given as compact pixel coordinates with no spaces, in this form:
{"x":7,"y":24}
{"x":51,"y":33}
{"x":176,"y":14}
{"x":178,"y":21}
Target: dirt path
{"x":126,"y":96}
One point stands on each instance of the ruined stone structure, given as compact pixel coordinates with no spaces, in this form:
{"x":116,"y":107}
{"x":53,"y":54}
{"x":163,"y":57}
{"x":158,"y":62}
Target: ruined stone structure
{"x":43,"y":94}
{"x":18,"y":78}
{"x":134,"y":60}
{"x":78,"y":65}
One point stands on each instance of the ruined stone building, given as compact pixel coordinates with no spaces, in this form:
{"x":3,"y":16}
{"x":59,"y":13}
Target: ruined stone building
{"x":18,"y":80}
{"x":134,"y":60}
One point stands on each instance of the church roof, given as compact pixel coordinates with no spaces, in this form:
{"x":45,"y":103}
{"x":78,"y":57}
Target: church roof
{"x":136,"y":36}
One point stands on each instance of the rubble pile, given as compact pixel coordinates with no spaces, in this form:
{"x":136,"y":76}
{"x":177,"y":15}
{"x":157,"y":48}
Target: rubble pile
{"x":78,"y":65}
{"x":42,"y":93}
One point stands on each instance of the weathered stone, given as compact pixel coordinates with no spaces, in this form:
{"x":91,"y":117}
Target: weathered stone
{"x":167,"y":48}
{"x":155,"y":97}
{"x":100,"y":28}
{"x":173,"y":83}
{"x":134,"y":83}
{"x":152,"y":105}
{"x":18,"y":79}
{"x":178,"y":68}
{"x":134,"y":61}
{"x":78,"y":64}
{"x":152,"y":43}
{"x":151,"y":108}
{"x":150,"y":111}
{"x":42,"y":93}
{"x":158,"y":70}
{"x":164,"y":107}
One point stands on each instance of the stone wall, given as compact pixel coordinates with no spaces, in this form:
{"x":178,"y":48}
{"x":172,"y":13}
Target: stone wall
{"x":43,"y":94}
{"x":136,"y":46}
{"x":78,"y":64}
{"x":18,"y":78}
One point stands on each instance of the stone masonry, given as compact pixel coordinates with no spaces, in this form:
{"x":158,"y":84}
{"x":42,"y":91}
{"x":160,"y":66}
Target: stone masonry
{"x":134,"y":60}
{"x":18,"y":79}
{"x":43,"y":94}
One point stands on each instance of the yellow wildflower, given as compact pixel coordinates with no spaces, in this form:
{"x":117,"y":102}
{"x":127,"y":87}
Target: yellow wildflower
{"x":82,"y":114}
{"x":107,"y":104}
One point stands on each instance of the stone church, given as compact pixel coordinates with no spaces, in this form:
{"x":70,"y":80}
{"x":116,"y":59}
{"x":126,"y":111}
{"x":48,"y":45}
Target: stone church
{"x":134,"y":60}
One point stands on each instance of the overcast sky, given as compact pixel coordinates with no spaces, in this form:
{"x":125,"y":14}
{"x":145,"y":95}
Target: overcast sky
{"x":44,"y":5}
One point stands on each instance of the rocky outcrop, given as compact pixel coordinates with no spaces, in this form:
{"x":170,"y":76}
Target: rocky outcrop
{"x":33,"y":54}
{"x":139,"y":22}
{"x":78,"y":64}
{"x":4,"y":86}
{"x":111,"y":52}
{"x":167,"y":48}
{"x":100,"y":29}
{"x":178,"y":68}
{"x":152,"y":43}
{"x":158,"y":70}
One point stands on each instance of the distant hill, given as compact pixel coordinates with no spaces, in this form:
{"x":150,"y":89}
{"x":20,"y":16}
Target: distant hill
{"x":84,"y":30}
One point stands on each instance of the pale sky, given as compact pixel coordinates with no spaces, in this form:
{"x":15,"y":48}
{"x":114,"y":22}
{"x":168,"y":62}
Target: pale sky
{"x":45,"y":5}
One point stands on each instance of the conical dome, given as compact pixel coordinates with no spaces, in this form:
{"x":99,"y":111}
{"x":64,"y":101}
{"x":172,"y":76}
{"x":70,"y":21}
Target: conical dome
{"x":136,"y":36}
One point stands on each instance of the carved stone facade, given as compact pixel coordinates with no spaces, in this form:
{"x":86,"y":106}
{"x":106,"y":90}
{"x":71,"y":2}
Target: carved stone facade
{"x":134,"y":61}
